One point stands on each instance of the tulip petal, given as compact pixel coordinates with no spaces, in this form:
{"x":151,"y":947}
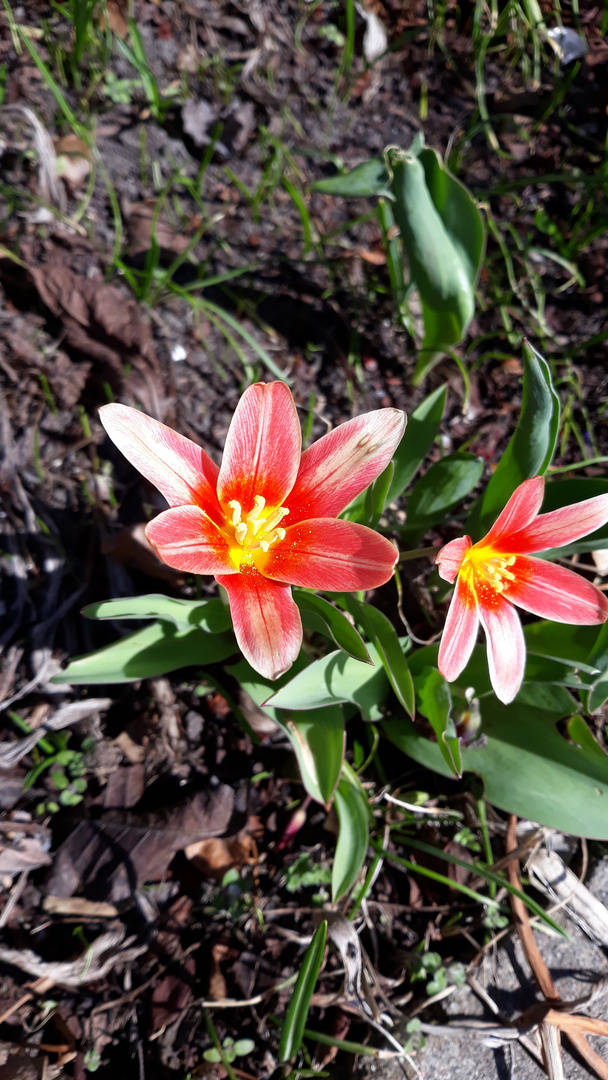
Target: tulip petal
{"x":506,"y":647}
{"x":459,"y":633}
{"x":180,"y":469}
{"x":520,"y":511}
{"x":262,"y":451}
{"x":187,"y":540}
{"x":338,"y":467}
{"x":562,"y":526}
{"x":330,"y":554}
{"x":266,"y":621}
{"x":449,"y":560}
{"x":554,"y":592}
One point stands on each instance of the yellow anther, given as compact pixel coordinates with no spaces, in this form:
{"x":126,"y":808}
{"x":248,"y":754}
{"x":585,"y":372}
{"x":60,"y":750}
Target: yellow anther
{"x":236,"y":511}
{"x":241,"y":532}
{"x":259,"y":502}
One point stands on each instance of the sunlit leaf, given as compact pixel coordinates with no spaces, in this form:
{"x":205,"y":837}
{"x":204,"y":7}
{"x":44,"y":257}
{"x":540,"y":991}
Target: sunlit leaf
{"x":444,"y":239}
{"x":368,"y":178}
{"x":531,"y":446}
{"x":435,"y":702}
{"x":316,"y":735}
{"x":154,"y":650}
{"x":319,"y":614}
{"x":209,"y":615}
{"x":353,"y":817}
{"x":333,"y":679}
{"x":299,"y":1004}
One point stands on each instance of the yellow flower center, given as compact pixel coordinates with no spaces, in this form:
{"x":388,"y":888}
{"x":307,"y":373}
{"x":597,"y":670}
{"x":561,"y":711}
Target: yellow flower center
{"x":254,"y":531}
{"x":487,"y":573}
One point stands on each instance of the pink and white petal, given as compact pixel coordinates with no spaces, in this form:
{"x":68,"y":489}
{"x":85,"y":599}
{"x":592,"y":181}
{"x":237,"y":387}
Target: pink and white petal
{"x":562,"y":526}
{"x":506,"y":647}
{"x":180,"y":469}
{"x":449,"y":559}
{"x":338,"y":467}
{"x":554,"y":592}
{"x":186,"y":539}
{"x":326,"y":553}
{"x":263,"y":446}
{"x":266,"y":621}
{"x":459,"y":633}
{"x":520,"y":511}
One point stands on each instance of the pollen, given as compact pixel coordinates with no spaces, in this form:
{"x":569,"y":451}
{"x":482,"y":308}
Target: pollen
{"x":487,"y":572}
{"x":256,"y":530}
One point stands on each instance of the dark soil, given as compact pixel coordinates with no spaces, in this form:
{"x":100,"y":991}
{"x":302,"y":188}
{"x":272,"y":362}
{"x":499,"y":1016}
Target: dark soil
{"x":176,"y":794}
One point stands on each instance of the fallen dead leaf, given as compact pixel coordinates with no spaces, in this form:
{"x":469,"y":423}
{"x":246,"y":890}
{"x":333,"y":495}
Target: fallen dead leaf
{"x":215,"y":856}
{"x":130,"y":547}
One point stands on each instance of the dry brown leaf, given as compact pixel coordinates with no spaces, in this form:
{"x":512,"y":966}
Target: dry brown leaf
{"x":23,"y":847}
{"x":215,"y":856}
{"x":130,"y":547}
{"x":102,"y":954}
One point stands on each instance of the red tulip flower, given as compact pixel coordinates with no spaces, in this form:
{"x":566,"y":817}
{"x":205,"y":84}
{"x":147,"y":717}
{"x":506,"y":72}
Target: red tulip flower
{"x":496,"y":573}
{"x":266,"y":519}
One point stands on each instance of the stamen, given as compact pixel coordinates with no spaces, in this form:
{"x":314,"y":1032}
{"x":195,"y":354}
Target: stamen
{"x":240,"y":532}
{"x":259,"y":502}
{"x":236,"y":511}
{"x":273,"y":519}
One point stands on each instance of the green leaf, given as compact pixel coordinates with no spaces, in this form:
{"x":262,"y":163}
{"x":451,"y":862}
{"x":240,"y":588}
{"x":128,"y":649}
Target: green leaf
{"x":333,"y":679}
{"x":368,"y":178}
{"x":434,"y":701}
{"x":572,"y":645}
{"x":422,"y":427}
{"x":527,"y":766}
{"x":394,"y":259}
{"x":317,"y":736}
{"x":319,"y":614}
{"x":383,"y":635}
{"x":599,"y":657}
{"x":154,"y":650}
{"x":440,"y":490}
{"x":353,"y":817}
{"x":299,"y":1005}
{"x":444,"y":239}
{"x":532,"y":444}
{"x":212,"y":616}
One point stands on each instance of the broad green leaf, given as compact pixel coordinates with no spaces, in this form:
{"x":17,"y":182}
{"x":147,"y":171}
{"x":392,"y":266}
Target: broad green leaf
{"x":333,"y":679}
{"x":299,"y":1005}
{"x":422,"y":427}
{"x":154,"y":650}
{"x":319,"y":614}
{"x":209,"y":615}
{"x":317,"y":736}
{"x":352,"y":809}
{"x":572,"y":645}
{"x":440,"y":490}
{"x":444,"y":238}
{"x":368,"y":178}
{"x":434,"y":701}
{"x":382,"y":633}
{"x":532,"y":444}
{"x":599,"y":657}
{"x":527,"y":766}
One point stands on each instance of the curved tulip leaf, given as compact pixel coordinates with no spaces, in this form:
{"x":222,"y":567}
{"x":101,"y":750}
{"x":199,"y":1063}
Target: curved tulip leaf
{"x":421,"y":430}
{"x":319,"y":614}
{"x":154,"y":650}
{"x":532,"y":444}
{"x":368,"y":178}
{"x":333,"y":679}
{"x":316,"y":735}
{"x":527,"y":766}
{"x":353,"y":817}
{"x":299,"y":1005}
{"x":211,"y":615}
{"x":434,"y":701}
{"x":444,"y":239}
